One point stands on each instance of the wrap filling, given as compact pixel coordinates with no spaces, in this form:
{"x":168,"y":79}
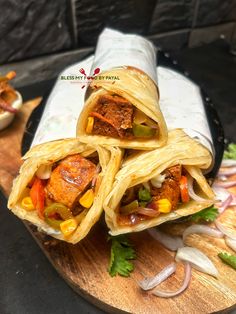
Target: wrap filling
{"x":160,"y":195}
{"x":116,"y":117}
{"x":65,"y":196}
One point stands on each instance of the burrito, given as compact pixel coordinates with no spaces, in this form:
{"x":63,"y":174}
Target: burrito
{"x":158,"y":186}
{"x":123,"y":110}
{"x":62,"y":185}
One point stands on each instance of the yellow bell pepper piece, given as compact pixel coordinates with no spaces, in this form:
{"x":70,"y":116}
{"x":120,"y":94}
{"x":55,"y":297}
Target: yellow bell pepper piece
{"x":87,"y":199}
{"x":90,"y":124}
{"x":27,"y":203}
{"x":68,"y":226}
{"x":164,"y":205}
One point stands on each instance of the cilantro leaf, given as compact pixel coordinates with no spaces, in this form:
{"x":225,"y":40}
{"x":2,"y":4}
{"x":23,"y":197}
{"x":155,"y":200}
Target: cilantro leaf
{"x":228,"y":259}
{"x":208,"y":214}
{"x":230,"y":152}
{"x":121,"y":252}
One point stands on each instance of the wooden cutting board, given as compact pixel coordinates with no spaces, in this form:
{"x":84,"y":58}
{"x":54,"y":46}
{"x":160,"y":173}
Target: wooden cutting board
{"x":84,"y":266}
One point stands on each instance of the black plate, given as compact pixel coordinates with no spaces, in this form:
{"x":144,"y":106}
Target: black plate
{"x":163,"y":60}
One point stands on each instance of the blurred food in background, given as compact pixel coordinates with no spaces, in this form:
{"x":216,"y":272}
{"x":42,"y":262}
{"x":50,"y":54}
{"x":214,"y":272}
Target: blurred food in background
{"x":10,"y":100}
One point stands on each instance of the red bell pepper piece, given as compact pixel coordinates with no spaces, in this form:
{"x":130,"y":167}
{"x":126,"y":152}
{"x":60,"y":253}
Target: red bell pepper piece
{"x":37,"y":195}
{"x":183,"y":184}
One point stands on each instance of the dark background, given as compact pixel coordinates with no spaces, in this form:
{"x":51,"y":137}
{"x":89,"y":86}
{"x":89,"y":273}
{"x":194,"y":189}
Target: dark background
{"x":40,"y":38}
{"x":32,"y":28}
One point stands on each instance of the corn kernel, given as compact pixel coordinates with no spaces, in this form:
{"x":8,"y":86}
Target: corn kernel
{"x":164,"y":205}
{"x":90,"y":123}
{"x":27,"y":203}
{"x":87,"y":199}
{"x":68,"y":226}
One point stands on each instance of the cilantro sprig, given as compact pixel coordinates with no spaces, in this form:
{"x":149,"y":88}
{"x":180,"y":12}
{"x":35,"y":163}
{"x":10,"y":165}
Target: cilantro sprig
{"x":121,"y":254}
{"x":230,"y":152}
{"x":208,"y":214}
{"x":228,"y":259}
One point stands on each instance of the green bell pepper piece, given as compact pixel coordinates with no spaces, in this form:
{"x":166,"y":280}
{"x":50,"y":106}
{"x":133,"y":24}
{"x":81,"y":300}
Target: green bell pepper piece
{"x":130,"y":208}
{"x":56,"y":208}
{"x":144,"y":195}
{"x":140,"y":130}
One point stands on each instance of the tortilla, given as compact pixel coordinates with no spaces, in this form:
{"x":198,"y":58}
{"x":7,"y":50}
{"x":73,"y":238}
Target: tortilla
{"x":141,"y":167}
{"x":49,"y":153}
{"x":137,"y":88}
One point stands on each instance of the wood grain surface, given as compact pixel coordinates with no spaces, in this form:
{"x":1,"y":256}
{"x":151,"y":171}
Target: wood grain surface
{"x":84,"y":266}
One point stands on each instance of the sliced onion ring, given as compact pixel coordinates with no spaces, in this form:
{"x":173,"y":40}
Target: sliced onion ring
{"x":197,"y":259}
{"x":147,"y":211}
{"x":222,"y":178}
{"x":170,"y":242}
{"x":225,"y":204}
{"x":227,"y":184}
{"x":150,"y":283}
{"x":228,"y":172}
{"x":221,"y":193}
{"x":191,"y":192}
{"x":44,"y":172}
{"x":233,"y":202}
{"x":98,"y":169}
{"x":228,"y":232}
{"x":134,"y":219}
{"x":169,"y":294}
{"x":224,"y":196}
{"x":231,"y":243}
{"x":202,"y":229}
{"x":228,"y":163}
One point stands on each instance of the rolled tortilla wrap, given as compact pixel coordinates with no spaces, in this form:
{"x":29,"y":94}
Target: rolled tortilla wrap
{"x":73,"y":173}
{"x":124,"y":110}
{"x":162,"y":170}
